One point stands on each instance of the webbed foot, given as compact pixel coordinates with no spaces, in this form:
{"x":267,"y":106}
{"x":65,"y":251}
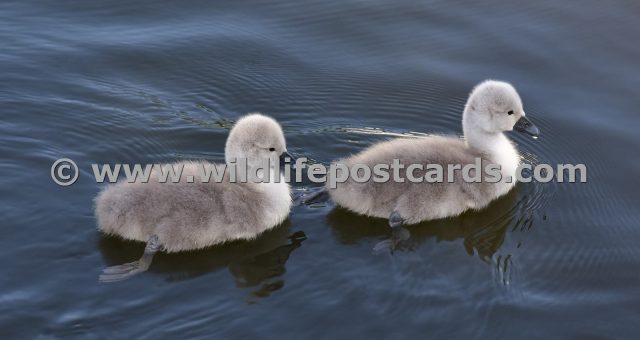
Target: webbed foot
{"x":399,"y":236}
{"x":397,"y":241}
{"x":297,"y":237}
{"x":121,"y":272}
{"x":395,"y":220}
{"x":127,"y":270}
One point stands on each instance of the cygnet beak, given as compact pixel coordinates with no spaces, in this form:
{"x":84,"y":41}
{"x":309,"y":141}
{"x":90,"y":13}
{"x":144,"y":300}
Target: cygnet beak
{"x":525,"y":125}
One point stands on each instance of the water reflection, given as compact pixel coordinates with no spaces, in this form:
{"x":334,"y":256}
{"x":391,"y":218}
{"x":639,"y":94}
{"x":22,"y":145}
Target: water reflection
{"x":258,"y":263}
{"x":483,"y":232}
{"x":265,"y":270}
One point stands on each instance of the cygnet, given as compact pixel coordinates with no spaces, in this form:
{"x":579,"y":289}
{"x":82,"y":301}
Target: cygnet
{"x":194,"y":213}
{"x":493,"y":107}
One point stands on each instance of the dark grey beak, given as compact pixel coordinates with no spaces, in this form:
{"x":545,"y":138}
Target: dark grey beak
{"x":525,"y":125}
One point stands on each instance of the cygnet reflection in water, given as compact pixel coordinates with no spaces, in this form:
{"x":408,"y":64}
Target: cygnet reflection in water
{"x":257,"y":263}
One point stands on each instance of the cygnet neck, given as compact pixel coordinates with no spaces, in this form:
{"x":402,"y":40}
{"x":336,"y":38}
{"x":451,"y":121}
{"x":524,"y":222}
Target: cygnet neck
{"x":490,"y":143}
{"x":496,"y":146}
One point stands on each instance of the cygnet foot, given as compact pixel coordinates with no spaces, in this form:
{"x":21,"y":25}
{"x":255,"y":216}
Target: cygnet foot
{"x":399,"y":236}
{"x":125,"y":271}
{"x":297,"y":237}
{"x":395,"y":220}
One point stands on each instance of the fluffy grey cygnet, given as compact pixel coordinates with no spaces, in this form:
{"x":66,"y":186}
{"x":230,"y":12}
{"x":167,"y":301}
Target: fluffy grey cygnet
{"x":193,"y":214}
{"x":493,"y":108}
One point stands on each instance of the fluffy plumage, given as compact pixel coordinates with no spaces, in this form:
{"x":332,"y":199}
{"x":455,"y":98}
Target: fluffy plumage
{"x":493,"y":107}
{"x":187,"y":216}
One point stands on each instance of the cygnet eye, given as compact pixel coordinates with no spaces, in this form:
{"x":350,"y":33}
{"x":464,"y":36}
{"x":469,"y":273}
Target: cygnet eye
{"x":272,"y":149}
{"x":510,"y":112}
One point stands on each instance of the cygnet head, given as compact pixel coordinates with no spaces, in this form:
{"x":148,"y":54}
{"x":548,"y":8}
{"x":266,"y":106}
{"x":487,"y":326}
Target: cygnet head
{"x":494,"y":107}
{"x":255,"y":137}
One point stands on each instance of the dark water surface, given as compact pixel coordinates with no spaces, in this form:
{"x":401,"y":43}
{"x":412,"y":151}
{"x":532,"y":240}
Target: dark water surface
{"x":156,"y":81}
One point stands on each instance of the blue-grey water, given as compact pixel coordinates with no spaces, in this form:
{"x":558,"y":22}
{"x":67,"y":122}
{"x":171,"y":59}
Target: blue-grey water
{"x":156,"y":81}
